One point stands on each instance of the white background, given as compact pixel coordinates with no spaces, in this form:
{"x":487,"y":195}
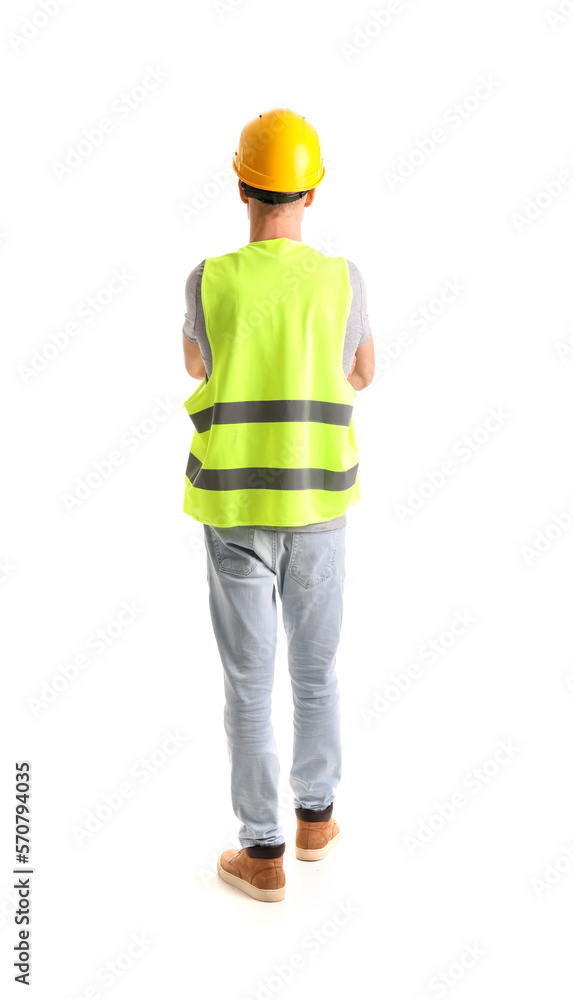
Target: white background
{"x":494,"y":876}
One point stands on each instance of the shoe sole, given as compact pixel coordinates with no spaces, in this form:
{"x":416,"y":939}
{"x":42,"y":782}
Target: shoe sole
{"x":305,"y":855}
{"x":264,"y":895}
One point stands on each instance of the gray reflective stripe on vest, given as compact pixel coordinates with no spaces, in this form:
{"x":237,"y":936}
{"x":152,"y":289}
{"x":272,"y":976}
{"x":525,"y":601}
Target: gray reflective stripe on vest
{"x":267,"y":478}
{"x":271,"y":410}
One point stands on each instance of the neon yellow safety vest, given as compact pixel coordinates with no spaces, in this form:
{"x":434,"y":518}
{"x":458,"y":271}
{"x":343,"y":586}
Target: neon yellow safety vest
{"x":274,"y":440}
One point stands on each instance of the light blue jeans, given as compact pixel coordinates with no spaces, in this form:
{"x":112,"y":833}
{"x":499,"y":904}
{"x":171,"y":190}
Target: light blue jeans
{"x":243,"y":564}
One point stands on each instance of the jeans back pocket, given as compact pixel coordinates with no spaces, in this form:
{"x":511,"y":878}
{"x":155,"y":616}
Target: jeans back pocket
{"x":234,"y":549}
{"x":312,"y":557}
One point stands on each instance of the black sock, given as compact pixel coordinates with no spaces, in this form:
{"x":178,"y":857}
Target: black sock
{"x":314,"y":815}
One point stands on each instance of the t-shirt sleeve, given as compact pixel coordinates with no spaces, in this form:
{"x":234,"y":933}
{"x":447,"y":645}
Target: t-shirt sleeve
{"x":357,"y":324}
{"x":361,"y":306}
{"x":194,"y":321}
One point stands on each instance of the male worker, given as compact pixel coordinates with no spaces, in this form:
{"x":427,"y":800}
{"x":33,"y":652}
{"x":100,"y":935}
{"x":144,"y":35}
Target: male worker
{"x":280,"y":336}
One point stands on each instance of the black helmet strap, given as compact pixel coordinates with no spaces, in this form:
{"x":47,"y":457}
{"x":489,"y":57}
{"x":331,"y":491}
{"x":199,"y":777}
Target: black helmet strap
{"x":271,"y":197}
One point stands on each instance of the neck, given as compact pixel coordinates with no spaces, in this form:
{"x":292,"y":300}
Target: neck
{"x":267,"y":228}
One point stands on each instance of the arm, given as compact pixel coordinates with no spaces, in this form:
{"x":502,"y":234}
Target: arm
{"x":194,"y":326}
{"x":193,"y":360}
{"x":363,"y":366}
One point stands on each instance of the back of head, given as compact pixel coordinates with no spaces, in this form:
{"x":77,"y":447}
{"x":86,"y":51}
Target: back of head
{"x":278,"y":159}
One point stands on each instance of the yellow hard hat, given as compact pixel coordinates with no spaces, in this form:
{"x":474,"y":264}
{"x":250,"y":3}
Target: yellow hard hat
{"x":279,"y":151}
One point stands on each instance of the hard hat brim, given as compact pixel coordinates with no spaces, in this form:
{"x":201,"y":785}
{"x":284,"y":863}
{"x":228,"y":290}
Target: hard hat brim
{"x":256,"y":180}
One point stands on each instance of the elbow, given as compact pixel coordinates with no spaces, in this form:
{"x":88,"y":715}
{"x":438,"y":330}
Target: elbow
{"x":361,"y":380}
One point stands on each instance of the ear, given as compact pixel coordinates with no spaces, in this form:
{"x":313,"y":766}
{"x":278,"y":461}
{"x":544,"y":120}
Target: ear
{"x":309,"y":197}
{"x":242,"y":194}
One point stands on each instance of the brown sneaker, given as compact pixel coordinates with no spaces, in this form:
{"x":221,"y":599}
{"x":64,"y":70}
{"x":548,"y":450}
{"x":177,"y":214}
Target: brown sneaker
{"x":314,"y":840}
{"x":262,"y":878}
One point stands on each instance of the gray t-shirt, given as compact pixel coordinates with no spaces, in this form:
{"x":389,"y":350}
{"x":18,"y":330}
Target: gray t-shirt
{"x":357,"y":333}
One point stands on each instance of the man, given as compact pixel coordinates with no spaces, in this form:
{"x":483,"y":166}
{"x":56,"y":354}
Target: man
{"x":280,"y":336}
